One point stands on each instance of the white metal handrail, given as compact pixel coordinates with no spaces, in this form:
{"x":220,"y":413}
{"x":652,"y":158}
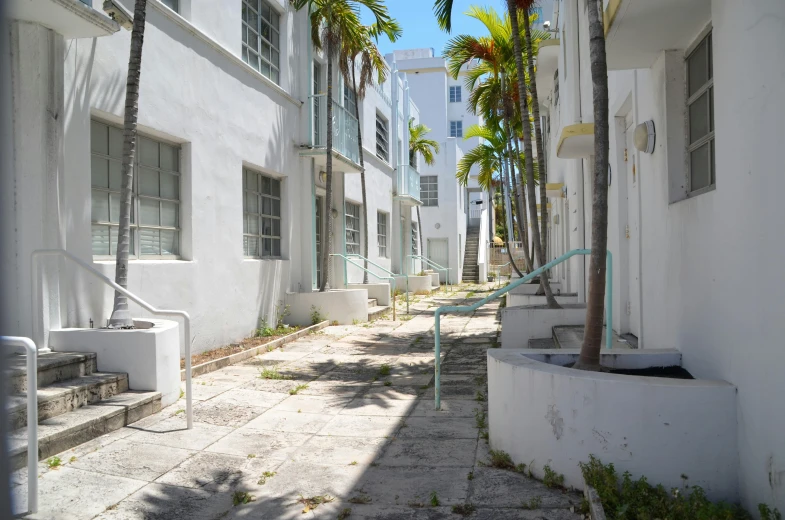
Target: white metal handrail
{"x":38,"y":334}
{"x":32,"y":416}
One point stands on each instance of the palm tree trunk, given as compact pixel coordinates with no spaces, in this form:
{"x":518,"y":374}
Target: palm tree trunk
{"x":121,"y":316}
{"x":590,"y":350}
{"x":362,"y":173}
{"x":508,"y":215}
{"x":527,"y":145}
{"x":521,"y":197}
{"x":541,"y":159}
{"x":328,"y":221}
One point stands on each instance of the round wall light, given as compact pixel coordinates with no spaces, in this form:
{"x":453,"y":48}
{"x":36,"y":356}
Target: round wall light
{"x":437,"y":225}
{"x":323,"y":177}
{"x":644,"y":137}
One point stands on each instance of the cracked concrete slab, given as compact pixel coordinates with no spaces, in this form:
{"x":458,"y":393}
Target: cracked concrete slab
{"x":430,"y":452}
{"x":137,"y":460}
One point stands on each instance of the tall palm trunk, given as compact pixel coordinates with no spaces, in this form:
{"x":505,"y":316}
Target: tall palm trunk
{"x":590,"y":350}
{"x":328,"y":221}
{"x":508,"y":215}
{"x":521,"y":197}
{"x":541,"y":159}
{"x":527,"y":145}
{"x":121,"y":316}
{"x":362,"y":173}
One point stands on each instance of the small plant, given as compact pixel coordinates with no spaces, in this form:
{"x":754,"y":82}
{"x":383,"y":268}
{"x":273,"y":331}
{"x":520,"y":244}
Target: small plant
{"x":334,"y":323}
{"x":470,"y":476}
{"x":263,"y":479}
{"x":179,"y":411}
{"x":355,"y":321}
{"x":768,"y":514}
{"x":532,"y":503}
{"x":479,"y":419}
{"x":434,"y":499}
{"x":353,"y":463}
{"x":281,"y":312}
{"x":345,"y":513}
{"x":551,"y":478}
{"x":388,"y":383}
{"x":251,"y":455}
{"x":485,"y":435}
{"x":464,"y":509}
{"x":316,"y":315}
{"x":54,"y":462}
{"x":480,"y":397}
{"x":297,"y":388}
{"x":384,"y":370}
{"x":360,"y":499}
{"x":501,"y":460}
{"x":406,"y":317}
{"x":264,"y":330}
{"x":72,"y":459}
{"x":313,"y":502}
{"x":272,"y":373}
{"x":470,"y":294}
{"x":182,"y":393}
{"x":242,"y":497}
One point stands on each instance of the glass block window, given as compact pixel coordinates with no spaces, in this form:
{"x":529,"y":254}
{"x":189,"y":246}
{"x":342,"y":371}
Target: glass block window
{"x":353,"y":229}
{"x":456,"y":128}
{"x":381,"y":233}
{"x":429,"y":190}
{"x":700,"y":106}
{"x":261,"y":37}
{"x":261,"y":215}
{"x":382,"y":138}
{"x":455,"y":94}
{"x":415,"y":239}
{"x":155,"y":203}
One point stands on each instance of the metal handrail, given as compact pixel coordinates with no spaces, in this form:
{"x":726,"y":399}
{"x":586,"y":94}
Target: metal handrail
{"x":131,"y":296}
{"x":355,"y":255}
{"x":32,"y":416}
{"x":504,"y":290}
{"x":436,"y":266}
{"x":392,"y":280}
{"x":499,"y":273}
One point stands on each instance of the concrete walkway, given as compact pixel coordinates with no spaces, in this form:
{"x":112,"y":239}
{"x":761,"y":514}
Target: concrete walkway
{"x":344,"y":417}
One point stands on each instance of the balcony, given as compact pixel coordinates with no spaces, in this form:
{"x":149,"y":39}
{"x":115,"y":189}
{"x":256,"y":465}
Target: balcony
{"x":344,"y":128}
{"x":70,"y":18}
{"x":637,"y":31}
{"x":408,"y":186}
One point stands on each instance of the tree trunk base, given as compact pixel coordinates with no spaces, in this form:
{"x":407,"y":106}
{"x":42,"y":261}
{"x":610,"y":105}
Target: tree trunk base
{"x":589,"y":367}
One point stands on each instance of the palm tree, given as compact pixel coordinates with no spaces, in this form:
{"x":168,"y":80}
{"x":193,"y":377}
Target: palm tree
{"x":121,"y":316}
{"x":418,"y":143}
{"x":443,"y":11}
{"x":590,"y":349}
{"x":364,"y":52}
{"x":332,"y":22}
{"x":514,"y":7}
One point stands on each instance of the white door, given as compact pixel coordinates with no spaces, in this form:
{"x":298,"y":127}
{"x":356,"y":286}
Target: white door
{"x":632,"y":232}
{"x":439,"y":253}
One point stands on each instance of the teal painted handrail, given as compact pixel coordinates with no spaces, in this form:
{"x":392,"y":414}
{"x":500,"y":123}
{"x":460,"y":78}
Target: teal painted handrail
{"x":511,"y":286}
{"x":355,"y":255}
{"x":437,"y":266}
{"x":392,"y":279}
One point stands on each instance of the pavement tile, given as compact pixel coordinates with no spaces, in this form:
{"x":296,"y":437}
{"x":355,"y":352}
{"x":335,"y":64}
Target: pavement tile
{"x":379,"y":406}
{"x":140,"y":461}
{"x":361,"y":426}
{"x":284,"y":421}
{"x":210,"y":471}
{"x":430,"y":452}
{"x":268,"y":446}
{"x":402,"y":486}
{"x":502,"y":488}
{"x":449,"y":408}
{"x":161,"y":501}
{"x":439,"y":428}
{"x":249,"y":397}
{"x":322,"y":404}
{"x":174,"y":432}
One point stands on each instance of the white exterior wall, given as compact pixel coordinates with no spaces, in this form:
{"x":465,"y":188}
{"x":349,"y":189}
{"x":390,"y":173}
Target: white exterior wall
{"x":710,"y":277}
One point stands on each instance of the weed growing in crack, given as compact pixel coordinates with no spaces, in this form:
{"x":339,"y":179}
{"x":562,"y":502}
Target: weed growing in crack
{"x":470,"y":476}
{"x":479,"y":419}
{"x":54,"y":462}
{"x":345,"y":513}
{"x":480,"y":397}
{"x":551,"y":478}
{"x":532,"y":503}
{"x":72,"y":459}
{"x":385,"y":370}
{"x":502,"y":460}
{"x":353,"y":463}
{"x":297,"y":388}
{"x":178,"y":412}
{"x":360,"y":499}
{"x":272,"y":373}
{"x":485,"y":435}
{"x":434,"y":499}
{"x":242,"y":497}
{"x":252,"y":455}
{"x":263,"y":479}
{"x":312,"y":503}
{"x":464,"y":509}
{"x":388,"y":383}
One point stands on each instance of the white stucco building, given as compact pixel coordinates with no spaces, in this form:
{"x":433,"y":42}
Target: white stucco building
{"x":695,"y":220}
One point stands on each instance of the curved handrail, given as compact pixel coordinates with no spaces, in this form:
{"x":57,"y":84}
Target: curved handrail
{"x":131,"y":296}
{"x":32,"y":416}
{"x":436,"y":266}
{"x":392,"y":280}
{"x":355,"y":255}
{"x":471,"y":308}
{"x":499,"y":273}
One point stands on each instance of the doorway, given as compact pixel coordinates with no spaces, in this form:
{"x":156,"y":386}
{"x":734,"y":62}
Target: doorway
{"x":439,"y":253}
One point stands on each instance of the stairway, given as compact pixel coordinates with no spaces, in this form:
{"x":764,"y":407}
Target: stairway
{"x":375,"y":310}
{"x":471,"y":272}
{"x":76,"y":403}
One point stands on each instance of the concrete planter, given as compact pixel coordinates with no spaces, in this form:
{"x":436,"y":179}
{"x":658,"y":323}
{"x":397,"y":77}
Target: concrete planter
{"x":434,"y":279}
{"x":149,"y":354}
{"x":416,"y":283}
{"x":650,"y":426}
{"x":378,"y":291}
{"x":532,"y":288}
{"x":344,"y":306}
{"x":520,"y":324}
{"x":518,"y":300}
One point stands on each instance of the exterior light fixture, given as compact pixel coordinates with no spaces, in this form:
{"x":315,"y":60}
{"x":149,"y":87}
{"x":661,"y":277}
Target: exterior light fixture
{"x":437,"y":225}
{"x":323,"y":177}
{"x":644,"y":136}
{"x":334,"y":212}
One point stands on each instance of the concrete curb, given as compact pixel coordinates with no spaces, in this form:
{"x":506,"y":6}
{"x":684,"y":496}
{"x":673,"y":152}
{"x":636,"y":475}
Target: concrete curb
{"x":215,"y":364}
{"x":596,"y":510}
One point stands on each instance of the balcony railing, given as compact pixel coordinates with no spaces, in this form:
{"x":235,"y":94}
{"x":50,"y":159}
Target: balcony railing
{"x":344,"y":128}
{"x":408,"y":182}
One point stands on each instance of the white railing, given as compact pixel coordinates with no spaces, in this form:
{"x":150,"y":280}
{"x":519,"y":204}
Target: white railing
{"x":475,"y":211}
{"x":482,"y":251}
{"x":32,"y":416}
{"x":344,"y":126}
{"x":38,"y":332}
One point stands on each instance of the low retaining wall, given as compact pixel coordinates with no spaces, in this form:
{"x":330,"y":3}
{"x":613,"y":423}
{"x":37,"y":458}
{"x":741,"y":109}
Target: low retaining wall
{"x":518,"y":300}
{"x":150,"y":356}
{"x":532,"y":288}
{"x":344,"y":306}
{"x":434,"y":279}
{"x":416,"y":283}
{"x":520,"y":324}
{"x":542,"y":413}
{"x":378,"y":291}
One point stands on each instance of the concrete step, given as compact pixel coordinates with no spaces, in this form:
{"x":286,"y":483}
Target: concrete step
{"x":66,"y":396}
{"x":376,"y":312}
{"x":571,"y":336}
{"x":543,"y":343}
{"x":52,"y":368}
{"x":65,"y":431}
{"x":371,"y":302}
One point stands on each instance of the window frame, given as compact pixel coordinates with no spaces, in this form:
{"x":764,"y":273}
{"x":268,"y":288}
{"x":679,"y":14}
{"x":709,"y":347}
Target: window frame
{"x":382,"y":221}
{"x":457,"y":125}
{"x":351,"y":232}
{"x":383,"y":134}
{"x":456,"y":94}
{"x":707,"y":89}
{"x":429,"y":190}
{"x":136,"y":196}
{"x":275,"y":29}
{"x":175,"y":5}
{"x":259,"y":214}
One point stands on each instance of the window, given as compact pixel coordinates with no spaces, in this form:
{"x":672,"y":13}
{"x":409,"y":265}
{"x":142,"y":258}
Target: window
{"x":429,"y":190}
{"x":261,"y":37}
{"x":455,"y":94}
{"x":174,"y":5}
{"x":415,"y":241}
{"x":382,"y":138}
{"x":317,"y":122}
{"x":456,"y":128}
{"x":381,"y":233}
{"x":155,"y":202}
{"x":261,"y":215}
{"x":700,"y":107}
{"x":350,"y":100}
{"x":352,"y":229}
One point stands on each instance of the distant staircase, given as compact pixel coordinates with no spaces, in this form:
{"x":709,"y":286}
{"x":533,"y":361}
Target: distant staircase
{"x":76,"y":403}
{"x":471,"y":272}
{"x":375,"y":311}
